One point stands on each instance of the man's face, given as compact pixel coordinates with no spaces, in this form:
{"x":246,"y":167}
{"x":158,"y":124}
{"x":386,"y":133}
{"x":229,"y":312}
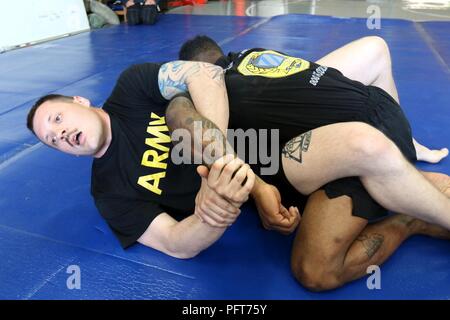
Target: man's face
{"x":70,"y":126}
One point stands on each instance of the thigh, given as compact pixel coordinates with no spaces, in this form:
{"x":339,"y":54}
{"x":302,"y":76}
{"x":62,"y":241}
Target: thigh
{"x":362,"y":54}
{"x":329,"y":153}
{"x":326,"y":232}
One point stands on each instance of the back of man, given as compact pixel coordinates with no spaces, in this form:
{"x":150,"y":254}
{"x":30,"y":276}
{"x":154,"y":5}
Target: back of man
{"x":271,"y":90}
{"x":268,"y":89}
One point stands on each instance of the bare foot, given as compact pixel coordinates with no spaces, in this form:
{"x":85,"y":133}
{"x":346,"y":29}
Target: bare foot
{"x":431,"y":156}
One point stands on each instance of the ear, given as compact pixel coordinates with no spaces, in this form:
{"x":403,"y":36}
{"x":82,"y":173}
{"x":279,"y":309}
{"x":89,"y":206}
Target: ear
{"x":83,"y":101}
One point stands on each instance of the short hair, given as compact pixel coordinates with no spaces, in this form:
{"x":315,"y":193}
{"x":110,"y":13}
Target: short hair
{"x":48,"y":97}
{"x":192,"y":49}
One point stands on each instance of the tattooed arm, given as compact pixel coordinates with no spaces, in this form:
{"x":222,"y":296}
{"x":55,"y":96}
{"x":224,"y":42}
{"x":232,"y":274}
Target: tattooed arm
{"x":205,"y":84}
{"x":181,"y":115}
{"x":212,"y":145}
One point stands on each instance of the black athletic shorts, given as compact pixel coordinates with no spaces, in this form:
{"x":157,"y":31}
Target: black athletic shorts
{"x":383,"y":113}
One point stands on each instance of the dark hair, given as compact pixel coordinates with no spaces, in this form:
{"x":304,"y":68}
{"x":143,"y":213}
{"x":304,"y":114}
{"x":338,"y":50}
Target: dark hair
{"x":48,"y":97}
{"x":195,"y":48}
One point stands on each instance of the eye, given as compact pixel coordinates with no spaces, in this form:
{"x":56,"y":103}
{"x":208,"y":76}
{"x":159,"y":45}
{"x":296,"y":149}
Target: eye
{"x":58,"y":118}
{"x":54,"y":141}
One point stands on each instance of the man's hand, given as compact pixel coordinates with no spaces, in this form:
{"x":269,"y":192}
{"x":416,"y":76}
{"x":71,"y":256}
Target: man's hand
{"x":273,"y":215}
{"x":129,"y":3}
{"x":222,"y":192}
{"x":212,"y":208}
{"x":231,"y":178}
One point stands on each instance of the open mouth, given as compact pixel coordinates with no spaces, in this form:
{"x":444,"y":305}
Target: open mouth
{"x":78,"y":138}
{"x":74,"y":139}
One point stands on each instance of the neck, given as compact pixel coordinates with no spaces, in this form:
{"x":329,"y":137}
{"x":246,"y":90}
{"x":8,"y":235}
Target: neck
{"x":107,"y":125}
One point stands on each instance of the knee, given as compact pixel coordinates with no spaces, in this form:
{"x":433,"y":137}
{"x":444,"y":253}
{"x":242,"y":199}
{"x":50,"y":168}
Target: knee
{"x":315,"y":277}
{"x":373,"y":152}
{"x":367,"y":142}
{"x":379,"y":47}
{"x":377,"y":44}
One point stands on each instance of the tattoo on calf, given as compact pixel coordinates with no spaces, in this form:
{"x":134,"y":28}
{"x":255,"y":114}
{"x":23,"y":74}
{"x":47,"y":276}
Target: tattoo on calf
{"x":295,"y":147}
{"x":406,"y":220}
{"x":371,"y":243}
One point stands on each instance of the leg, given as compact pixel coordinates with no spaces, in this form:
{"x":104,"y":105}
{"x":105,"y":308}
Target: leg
{"x":356,"y":149}
{"x":149,"y":12}
{"x":442,"y":183}
{"x":372,"y":55}
{"x":332,"y":247}
{"x":133,"y":14}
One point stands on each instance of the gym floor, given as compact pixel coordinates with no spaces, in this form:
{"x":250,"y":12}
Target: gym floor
{"x":48,"y":221}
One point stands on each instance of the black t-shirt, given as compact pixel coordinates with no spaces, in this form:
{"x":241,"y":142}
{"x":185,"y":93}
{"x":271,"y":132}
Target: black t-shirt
{"x":270,"y":90}
{"x":135,"y":180}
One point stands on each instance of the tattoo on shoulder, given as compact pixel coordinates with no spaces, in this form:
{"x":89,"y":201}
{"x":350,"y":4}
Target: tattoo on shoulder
{"x":371,"y":243}
{"x":172,"y":77}
{"x":216,"y":72}
{"x":294,"y":148}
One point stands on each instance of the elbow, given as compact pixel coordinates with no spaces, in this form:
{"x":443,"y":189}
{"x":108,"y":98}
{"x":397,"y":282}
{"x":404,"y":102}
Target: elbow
{"x":183,"y":254}
{"x":181,"y":249}
{"x":174,"y":111}
{"x":173,"y":251}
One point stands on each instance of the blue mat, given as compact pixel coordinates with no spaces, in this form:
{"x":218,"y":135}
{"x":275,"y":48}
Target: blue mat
{"x":47,"y":217}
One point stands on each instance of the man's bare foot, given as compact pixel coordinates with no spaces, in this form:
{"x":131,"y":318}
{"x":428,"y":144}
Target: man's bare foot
{"x":431,"y":156}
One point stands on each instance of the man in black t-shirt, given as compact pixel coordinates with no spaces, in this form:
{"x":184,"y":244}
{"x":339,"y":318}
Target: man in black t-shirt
{"x":322,"y":116}
{"x":136,"y":186}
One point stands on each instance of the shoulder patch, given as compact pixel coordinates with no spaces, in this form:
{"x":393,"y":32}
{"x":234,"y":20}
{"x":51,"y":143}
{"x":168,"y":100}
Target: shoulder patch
{"x":271,"y":64}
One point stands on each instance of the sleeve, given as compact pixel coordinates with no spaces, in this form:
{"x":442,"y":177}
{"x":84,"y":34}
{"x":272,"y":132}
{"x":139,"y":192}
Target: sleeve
{"x":128,"y":219}
{"x":138,"y":88}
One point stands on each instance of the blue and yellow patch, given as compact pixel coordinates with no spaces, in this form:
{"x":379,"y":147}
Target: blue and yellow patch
{"x":271,"y":64}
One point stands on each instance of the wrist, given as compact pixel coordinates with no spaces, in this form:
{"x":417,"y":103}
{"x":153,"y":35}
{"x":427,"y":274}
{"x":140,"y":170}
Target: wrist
{"x":257,"y":186}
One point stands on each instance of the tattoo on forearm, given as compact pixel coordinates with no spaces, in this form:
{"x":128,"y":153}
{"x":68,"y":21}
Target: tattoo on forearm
{"x":294,"y":148}
{"x":212,"y":139}
{"x":371,"y":243}
{"x":182,"y":114}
